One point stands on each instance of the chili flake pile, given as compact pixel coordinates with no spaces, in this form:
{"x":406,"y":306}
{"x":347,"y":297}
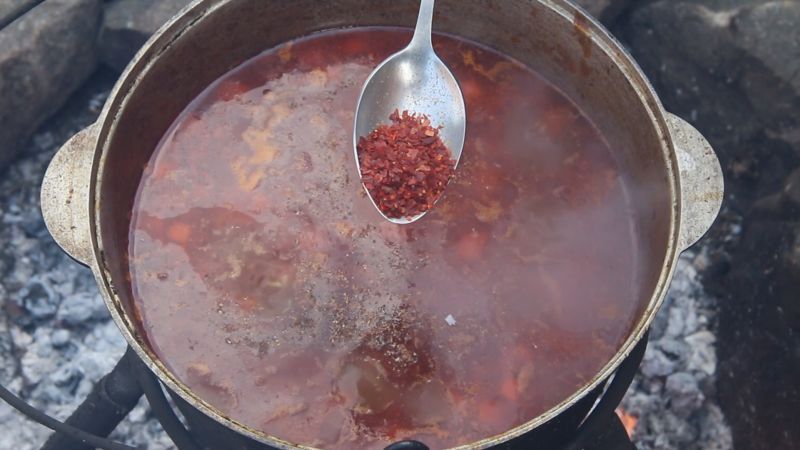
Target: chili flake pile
{"x":405,"y":166}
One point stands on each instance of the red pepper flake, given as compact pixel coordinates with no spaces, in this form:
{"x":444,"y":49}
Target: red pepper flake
{"x":405,"y":166}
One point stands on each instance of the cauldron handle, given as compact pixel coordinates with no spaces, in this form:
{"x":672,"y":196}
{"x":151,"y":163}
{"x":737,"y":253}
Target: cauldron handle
{"x":701,"y":180}
{"x":65,"y":195}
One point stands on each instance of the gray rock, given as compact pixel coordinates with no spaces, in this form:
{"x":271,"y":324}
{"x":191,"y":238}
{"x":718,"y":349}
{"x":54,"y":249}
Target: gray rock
{"x":44,"y":56}
{"x":129,"y":23}
{"x":690,"y":70}
{"x":9,"y":8}
{"x":741,"y":80}
{"x":769,"y":35}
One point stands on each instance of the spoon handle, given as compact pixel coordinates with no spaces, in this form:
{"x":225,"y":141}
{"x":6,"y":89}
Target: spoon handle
{"x":422,"y":33}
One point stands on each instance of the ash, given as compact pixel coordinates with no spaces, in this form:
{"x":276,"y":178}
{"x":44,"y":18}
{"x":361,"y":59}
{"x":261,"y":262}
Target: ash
{"x":673,"y":396}
{"x":57,"y":339}
{"x":56,"y":336}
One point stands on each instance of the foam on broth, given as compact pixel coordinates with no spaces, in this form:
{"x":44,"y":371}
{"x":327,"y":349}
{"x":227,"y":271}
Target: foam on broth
{"x":268,"y":283}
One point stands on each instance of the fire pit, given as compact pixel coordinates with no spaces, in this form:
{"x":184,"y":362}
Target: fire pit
{"x":104,"y":340}
{"x":100,"y":167}
{"x":675,"y":385}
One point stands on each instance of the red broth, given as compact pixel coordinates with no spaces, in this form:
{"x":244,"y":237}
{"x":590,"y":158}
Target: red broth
{"x":269,"y":284}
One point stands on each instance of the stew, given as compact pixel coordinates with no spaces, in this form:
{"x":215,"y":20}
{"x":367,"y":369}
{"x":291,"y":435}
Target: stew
{"x":267,"y":282}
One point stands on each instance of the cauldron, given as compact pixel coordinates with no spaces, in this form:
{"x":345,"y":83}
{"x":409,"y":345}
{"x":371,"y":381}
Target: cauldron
{"x":90,"y":186}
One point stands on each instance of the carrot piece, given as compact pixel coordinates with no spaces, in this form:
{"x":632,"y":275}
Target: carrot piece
{"x":489,"y":412}
{"x":354,"y":46}
{"x":230,"y":89}
{"x":471,"y":89}
{"x":509,"y":389}
{"x":247,"y":304}
{"x":471,"y":246}
{"x":164,"y":168}
{"x":179,"y":232}
{"x":558,"y":120}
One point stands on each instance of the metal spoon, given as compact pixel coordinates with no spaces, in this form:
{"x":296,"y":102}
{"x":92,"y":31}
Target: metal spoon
{"x":414,"y":80}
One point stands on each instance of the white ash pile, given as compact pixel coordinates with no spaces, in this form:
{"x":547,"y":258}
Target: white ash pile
{"x":672,"y":399}
{"x":56,"y":336}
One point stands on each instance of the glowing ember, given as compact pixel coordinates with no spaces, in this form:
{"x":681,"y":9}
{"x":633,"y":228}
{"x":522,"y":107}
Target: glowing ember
{"x":629,"y":421}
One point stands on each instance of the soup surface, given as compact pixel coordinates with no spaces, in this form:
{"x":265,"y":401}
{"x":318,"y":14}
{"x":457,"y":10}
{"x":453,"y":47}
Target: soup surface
{"x":268,"y":283}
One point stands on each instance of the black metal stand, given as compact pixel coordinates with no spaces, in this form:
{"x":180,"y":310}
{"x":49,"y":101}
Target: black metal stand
{"x":112,"y":398}
{"x":104,"y":400}
{"x":602,"y":429}
{"x":118,"y":392}
{"x":407,"y":445}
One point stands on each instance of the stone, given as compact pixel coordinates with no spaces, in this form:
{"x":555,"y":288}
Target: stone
{"x":740,"y":81}
{"x":9,"y":8}
{"x":129,"y":23}
{"x":769,"y":36}
{"x":45,"y":55}
{"x":664,"y":38}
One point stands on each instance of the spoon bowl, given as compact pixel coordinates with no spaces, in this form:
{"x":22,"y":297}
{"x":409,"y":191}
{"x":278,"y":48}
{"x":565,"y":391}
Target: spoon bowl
{"x":414,"y":80}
